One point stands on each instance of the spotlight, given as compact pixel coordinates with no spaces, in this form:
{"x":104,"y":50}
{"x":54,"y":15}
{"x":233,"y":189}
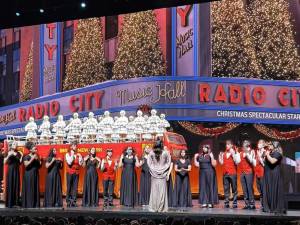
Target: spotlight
{"x":18,"y":14}
{"x":42,"y":11}
{"x":83,"y":4}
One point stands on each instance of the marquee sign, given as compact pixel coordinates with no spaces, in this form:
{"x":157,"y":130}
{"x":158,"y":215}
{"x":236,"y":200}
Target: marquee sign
{"x":184,"y":40}
{"x":191,"y":40}
{"x":49,"y":58}
{"x":181,"y":98}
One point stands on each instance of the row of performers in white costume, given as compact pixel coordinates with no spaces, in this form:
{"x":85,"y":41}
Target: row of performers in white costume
{"x":105,"y":129}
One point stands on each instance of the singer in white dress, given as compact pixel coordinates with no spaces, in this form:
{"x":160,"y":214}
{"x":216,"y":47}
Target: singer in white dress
{"x":92,"y":125}
{"x":139,"y":122}
{"x":153,"y":122}
{"x":115,"y":137}
{"x":84,"y":133}
{"x":100,"y":136}
{"x":106,"y":124}
{"x":146,"y":129}
{"x":75,"y":126}
{"x":59,"y":129}
{"x":162,"y":126}
{"x":69,"y":130}
{"x":31,"y":129}
{"x":131,"y":136}
{"x":45,"y":130}
{"x":122,"y":123}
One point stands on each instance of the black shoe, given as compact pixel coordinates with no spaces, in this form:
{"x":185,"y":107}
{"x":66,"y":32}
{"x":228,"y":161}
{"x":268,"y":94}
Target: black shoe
{"x":252,"y":207}
{"x":246,"y":207}
{"x":226,"y":206}
{"x":111,"y":204}
{"x":234,"y":206}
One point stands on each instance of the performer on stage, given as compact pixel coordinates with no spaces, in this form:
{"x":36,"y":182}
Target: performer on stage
{"x":75,"y":127}
{"x":53,"y":189}
{"x":273,"y":199}
{"x":139,"y":123}
{"x":107,"y":124}
{"x":182,"y":189}
{"x":159,"y":162}
{"x":45,"y":130}
{"x":131,"y":126}
{"x":208,"y":186}
{"x":74,"y":161}
{"x":145,"y":181}
{"x":109,"y":167}
{"x":259,"y":168}
{"x":59,"y":130}
{"x":246,"y":165}
{"x":128,"y":189}
{"x":31,"y":129}
{"x":30,"y":185}
{"x":13,"y":159}
{"x":229,"y":160}
{"x":90,"y":187}
{"x":170,"y":184}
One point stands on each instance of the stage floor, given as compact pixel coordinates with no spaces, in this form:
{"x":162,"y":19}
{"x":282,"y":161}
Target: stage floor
{"x":196,"y":212}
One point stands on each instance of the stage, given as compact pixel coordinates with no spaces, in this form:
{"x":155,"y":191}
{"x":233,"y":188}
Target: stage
{"x":195,"y":214}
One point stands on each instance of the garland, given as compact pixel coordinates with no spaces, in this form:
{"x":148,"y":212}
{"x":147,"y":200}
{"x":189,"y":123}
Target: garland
{"x":199,"y":129}
{"x":276,"y":134}
{"x":273,"y":133}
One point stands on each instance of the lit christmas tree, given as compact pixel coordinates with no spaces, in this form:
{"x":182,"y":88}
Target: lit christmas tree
{"x":232,"y":42}
{"x":26,"y":90}
{"x":87,"y":63}
{"x":139,"y":51}
{"x":274,"y":39}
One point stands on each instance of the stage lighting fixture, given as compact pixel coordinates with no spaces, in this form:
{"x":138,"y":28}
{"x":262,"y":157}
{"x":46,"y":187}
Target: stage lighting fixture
{"x":18,"y":14}
{"x":83,"y":4}
{"x":42,"y":11}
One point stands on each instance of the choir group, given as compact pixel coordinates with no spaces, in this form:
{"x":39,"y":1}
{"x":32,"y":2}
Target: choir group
{"x":157,"y":188}
{"x":104,"y":129}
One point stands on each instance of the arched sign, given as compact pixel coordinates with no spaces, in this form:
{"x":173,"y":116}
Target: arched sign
{"x":181,"y":98}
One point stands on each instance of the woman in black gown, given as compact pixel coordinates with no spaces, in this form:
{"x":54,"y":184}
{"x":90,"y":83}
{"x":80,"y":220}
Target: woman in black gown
{"x":182,"y":189}
{"x":273,"y":199}
{"x":53,"y":189}
{"x":30,"y":186}
{"x":13,"y":160}
{"x":208,"y":186}
{"x":128,"y":189}
{"x":145,"y":182}
{"x":90,"y":187}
